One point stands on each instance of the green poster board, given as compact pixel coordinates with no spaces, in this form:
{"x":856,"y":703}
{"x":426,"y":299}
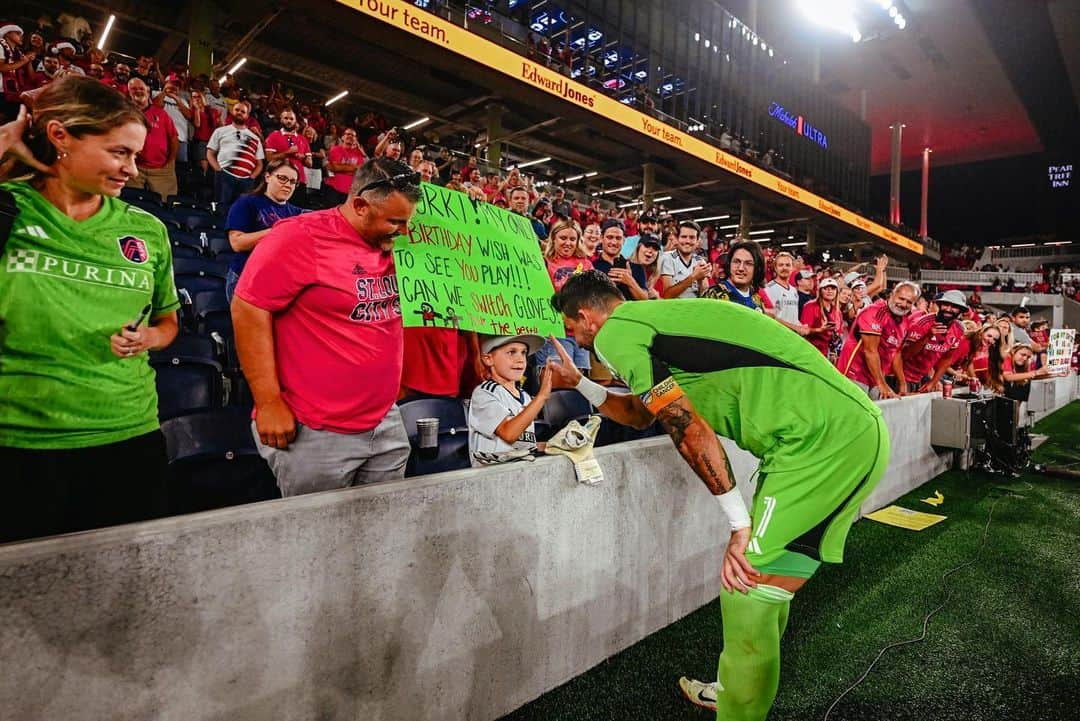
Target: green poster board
{"x":473,"y":266}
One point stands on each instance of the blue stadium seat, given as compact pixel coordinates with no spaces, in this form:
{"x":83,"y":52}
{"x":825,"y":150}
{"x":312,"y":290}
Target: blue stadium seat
{"x":212,"y":314}
{"x":186,"y":245}
{"x":196,"y":220}
{"x":218,"y":244}
{"x":131,"y":194}
{"x":453,"y":450}
{"x":188,"y":348}
{"x":563,"y":406}
{"x":186,"y":384}
{"x":199,"y":276}
{"x":188,"y":201}
{"x":213,"y":462}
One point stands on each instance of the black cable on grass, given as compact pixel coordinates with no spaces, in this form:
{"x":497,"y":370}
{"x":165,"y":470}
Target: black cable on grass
{"x":926,"y":621}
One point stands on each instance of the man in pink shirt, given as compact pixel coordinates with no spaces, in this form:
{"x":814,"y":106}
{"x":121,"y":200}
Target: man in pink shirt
{"x":871,"y":349}
{"x":290,"y":144}
{"x":157,"y":160}
{"x":345,"y":159}
{"x":931,"y":342}
{"x":318,"y":331}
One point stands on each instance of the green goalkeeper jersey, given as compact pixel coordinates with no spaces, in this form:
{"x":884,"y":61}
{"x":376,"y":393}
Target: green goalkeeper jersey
{"x":65,"y":287}
{"x":752,"y":379}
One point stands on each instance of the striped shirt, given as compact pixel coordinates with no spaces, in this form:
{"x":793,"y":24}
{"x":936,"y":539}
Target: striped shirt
{"x":238,"y":150}
{"x":492,"y":404}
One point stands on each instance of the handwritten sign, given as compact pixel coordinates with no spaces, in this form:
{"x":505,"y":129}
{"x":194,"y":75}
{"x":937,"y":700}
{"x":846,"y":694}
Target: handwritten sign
{"x":474,"y":266}
{"x":1059,"y":352}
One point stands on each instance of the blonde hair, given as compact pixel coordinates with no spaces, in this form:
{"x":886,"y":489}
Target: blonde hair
{"x":549,"y":244}
{"x":83,"y":106}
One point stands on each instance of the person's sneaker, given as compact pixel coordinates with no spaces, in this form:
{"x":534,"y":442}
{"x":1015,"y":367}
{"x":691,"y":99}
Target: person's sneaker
{"x":698,"y":693}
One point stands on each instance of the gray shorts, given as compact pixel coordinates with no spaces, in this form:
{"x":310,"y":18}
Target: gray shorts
{"x":324,"y":460}
{"x":872,"y":391}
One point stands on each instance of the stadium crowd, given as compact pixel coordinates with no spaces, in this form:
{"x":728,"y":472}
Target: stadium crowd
{"x":252,"y":197}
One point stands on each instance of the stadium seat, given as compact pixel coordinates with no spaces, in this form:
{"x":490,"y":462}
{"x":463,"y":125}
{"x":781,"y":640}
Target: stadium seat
{"x":212,"y":314}
{"x":196,"y":220}
{"x":188,"y":201}
{"x":453,"y":449}
{"x":132,"y":194}
{"x":199,"y":276}
{"x":186,"y":245}
{"x":218,"y":244}
{"x":186,"y":384}
{"x":564,"y":406}
{"x":213,"y":462}
{"x":184,"y":348}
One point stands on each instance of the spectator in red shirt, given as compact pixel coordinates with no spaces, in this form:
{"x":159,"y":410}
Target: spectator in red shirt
{"x":872,"y":348}
{"x":121,"y":77}
{"x":157,"y":160}
{"x":319,"y":336}
{"x":289,"y":143}
{"x":204,"y":123}
{"x":345,"y":159}
{"x":822,"y":317}
{"x":16,"y":70}
{"x":931,"y":342}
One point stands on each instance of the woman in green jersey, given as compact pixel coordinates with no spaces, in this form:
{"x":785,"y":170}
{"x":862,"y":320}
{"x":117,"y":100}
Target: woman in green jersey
{"x":80,"y":445}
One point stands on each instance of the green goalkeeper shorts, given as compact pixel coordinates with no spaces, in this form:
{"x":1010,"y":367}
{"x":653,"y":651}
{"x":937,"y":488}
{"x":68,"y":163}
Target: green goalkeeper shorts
{"x":811,"y":510}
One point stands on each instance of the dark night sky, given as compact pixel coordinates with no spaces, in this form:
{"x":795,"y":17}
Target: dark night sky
{"x":980,"y":203}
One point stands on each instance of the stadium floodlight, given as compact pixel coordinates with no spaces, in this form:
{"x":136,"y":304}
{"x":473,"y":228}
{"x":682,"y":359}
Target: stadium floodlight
{"x":661,"y":199}
{"x":416,"y":123}
{"x":105,"y":33}
{"x":792,"y":245}
{"x":836,"y":15}
{"x":616,"y":190}
{"x":572,"y":178}
{"x":232,"y":71}
{"x":728,"y":227}
{"x":856,"y":36}
{"x":534,"y":162}
{"x":631,"y":205}
{"x":770,"y":231}
{"x":894,"y":11}
{"x":901,"y":22}
{"x":691,"y":209}
{"x":336,"y":98}
{"x":713,"y":217}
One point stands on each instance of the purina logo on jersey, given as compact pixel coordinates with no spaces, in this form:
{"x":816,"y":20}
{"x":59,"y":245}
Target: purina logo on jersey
{"x":134,"y":249}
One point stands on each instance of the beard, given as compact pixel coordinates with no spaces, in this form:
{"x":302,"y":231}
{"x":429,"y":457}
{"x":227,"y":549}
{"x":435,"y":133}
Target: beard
{"x":897,"y":312}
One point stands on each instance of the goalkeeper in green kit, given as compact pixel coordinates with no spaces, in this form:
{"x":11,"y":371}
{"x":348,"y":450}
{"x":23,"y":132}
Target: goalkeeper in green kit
{"x":705,"y":368}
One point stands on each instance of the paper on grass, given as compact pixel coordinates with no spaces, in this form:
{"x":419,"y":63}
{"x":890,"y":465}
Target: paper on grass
{"x":905,"y":518}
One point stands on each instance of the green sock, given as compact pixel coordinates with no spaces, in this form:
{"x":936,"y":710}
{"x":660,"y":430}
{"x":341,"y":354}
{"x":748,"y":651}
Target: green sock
{"x":749,"y":669}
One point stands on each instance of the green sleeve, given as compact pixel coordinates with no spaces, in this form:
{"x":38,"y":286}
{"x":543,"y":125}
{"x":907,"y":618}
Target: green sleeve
{"x":165,"y":298}
{"x":624,"y":347}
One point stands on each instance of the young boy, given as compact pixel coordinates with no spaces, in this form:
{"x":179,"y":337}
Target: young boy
{"x":501,"y":415}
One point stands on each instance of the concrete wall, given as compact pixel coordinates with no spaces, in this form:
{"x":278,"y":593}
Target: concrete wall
{"x":459,"y":596}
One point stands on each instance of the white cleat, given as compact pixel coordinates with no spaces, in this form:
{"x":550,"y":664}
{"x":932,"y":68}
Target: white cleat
{"x":698,"y":693}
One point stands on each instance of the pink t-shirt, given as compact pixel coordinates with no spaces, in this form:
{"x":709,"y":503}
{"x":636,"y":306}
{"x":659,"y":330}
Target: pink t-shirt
{"x":923,"y":363}
{"x":875,"y":319}
{"x":337,"y":320}
{"x":155,"y":150}
{"x":340,"y":154}
{"x":279,"y":142}
{"x":560,"y":269}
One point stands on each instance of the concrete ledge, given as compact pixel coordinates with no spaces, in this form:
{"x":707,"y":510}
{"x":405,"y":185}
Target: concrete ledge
{"x":462,"y":595}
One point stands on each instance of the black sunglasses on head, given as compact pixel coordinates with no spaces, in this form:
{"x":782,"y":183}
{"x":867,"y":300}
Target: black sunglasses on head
{"x":401,"y":181}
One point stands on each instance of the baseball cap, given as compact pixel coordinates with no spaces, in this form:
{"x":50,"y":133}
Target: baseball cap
{"x":611,"y":223}
{"x":6,"y":28}
{"x":953,"y":297}
{"x":828,"y":283}
{"x":647,"y":217}
{"x":853,"y":276}
{"x":488,"y":343}
{"x":804,"y":274}
{"x":650,"y":240}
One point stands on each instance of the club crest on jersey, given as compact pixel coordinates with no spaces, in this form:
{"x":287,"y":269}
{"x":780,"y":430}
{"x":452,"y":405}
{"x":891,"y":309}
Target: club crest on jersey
{"x":134,"y":249}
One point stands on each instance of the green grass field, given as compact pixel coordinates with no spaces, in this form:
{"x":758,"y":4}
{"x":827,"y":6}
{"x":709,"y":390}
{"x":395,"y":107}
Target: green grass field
{"x":1007,"y":645}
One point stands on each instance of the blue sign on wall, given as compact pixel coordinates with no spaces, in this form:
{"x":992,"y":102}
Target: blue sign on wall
{"x":798,"y":124}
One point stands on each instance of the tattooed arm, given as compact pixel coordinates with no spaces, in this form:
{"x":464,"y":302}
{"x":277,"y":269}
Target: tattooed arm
{"x":698,"y":444}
